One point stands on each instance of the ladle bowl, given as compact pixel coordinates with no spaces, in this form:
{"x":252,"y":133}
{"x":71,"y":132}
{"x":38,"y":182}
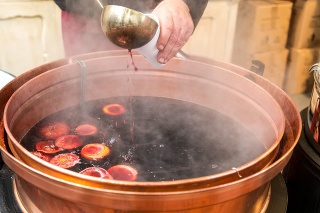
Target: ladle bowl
{"x":127,"y":28}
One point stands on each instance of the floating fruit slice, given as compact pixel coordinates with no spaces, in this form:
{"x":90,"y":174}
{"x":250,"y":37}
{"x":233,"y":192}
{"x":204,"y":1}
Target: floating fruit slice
{"x":96,"y":172}
{"x":123,"y":172}
{"x":68,"y":142}
{"x":86,"y":130}
{"x":113,"y":109}
{"x":43,"y":156}
{"x":47,"y":147}
{"x":53,"y":130}
{"x":95,"y":151}
{"x":65,"y":160}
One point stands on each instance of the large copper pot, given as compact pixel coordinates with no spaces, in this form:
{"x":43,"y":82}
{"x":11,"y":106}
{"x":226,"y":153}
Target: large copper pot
{"x":246,"y":188}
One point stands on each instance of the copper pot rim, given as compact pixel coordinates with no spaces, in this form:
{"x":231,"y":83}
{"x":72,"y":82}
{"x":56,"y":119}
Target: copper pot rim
{"x":262,"y":177}
{"x":233,"y":171}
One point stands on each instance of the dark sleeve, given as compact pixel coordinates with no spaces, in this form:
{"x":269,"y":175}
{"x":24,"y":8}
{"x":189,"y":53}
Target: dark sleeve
{"x":61,"y":4}
{"x":197,"y":8}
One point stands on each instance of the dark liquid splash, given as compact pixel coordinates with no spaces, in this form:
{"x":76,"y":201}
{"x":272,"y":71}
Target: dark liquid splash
{"x":172,"y":139}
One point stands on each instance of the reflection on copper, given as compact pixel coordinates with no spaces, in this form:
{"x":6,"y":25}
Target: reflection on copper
{"x":314,"y":128}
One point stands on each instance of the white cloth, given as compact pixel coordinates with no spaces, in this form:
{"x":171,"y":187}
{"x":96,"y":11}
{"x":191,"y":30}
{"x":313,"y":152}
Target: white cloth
{"x":5,"y":78}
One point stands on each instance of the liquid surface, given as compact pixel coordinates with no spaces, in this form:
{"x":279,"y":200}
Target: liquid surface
{"x":163,"y":139}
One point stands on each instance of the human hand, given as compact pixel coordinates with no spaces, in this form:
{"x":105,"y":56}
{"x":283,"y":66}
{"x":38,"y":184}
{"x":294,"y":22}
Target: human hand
{"x":176,"y":27}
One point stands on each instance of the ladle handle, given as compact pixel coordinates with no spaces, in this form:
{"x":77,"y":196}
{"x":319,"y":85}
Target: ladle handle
{"x":99,"y":2}
{"x":257,"y":67}
{"x":182,"y":54}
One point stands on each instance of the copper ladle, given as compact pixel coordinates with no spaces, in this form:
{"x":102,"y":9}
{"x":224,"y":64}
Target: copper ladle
{"x":125,"y":27}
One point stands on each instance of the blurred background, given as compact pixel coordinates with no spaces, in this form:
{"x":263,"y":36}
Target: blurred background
{"x":283,"y":34}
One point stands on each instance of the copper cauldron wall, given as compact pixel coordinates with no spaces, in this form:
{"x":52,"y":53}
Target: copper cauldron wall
{"x":37,"y":181}
{"x":59,"y":88}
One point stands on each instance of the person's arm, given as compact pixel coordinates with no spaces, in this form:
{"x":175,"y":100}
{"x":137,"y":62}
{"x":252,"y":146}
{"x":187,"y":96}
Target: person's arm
{"x":92,"y":8}
{"x":178,"y":19}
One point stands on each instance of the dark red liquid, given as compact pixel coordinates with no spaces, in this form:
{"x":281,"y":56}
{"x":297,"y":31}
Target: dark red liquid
{"x":172,"y":139}
{"x":132,"y":61}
